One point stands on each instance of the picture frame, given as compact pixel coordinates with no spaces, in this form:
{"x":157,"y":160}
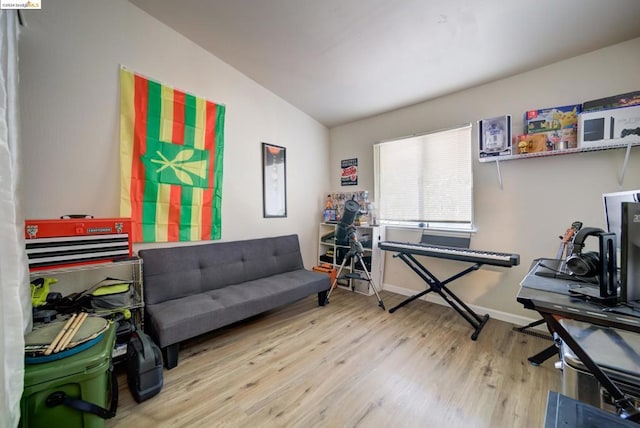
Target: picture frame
{"x":330,"y":215}
{"x":274,"y":181}
{"x":349,"y":174}
{"x":494,"y":137}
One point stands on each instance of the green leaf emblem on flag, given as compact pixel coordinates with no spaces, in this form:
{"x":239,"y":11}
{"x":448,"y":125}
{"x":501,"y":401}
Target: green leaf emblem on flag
{"x":176,"y":164}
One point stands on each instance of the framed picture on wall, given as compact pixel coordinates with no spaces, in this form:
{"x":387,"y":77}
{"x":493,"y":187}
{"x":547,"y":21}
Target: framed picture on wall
{"x":274,"y":180}
{"x":349,"y":175}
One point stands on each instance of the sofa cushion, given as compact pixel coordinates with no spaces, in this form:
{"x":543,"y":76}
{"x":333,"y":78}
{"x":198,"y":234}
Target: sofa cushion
{"x":177,"y":272}
{"x":186,"y":317}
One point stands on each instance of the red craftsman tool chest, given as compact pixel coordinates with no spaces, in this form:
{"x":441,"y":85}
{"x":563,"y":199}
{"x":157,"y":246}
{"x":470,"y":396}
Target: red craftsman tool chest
{"x":76,"y":240}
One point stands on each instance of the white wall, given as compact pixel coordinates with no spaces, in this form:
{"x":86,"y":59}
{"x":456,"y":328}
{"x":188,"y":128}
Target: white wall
{"x":70,"y":53}
{"x":540,"y":197}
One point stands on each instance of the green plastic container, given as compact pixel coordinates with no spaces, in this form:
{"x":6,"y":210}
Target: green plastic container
{"x":85,"y":376}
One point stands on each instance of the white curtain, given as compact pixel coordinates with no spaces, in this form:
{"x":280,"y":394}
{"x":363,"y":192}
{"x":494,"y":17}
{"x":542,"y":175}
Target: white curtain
{"x":15,"y":300}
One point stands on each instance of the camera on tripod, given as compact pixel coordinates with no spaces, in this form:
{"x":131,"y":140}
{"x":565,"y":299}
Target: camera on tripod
{"x":346,"y":236}
{"x":346,"y":230}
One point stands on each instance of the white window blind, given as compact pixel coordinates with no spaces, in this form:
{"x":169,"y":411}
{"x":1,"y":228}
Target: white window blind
{"x":426,"y":180}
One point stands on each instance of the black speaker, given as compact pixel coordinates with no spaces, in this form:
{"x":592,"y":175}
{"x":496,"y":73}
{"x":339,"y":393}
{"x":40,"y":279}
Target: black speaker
{"x":587,"y":264}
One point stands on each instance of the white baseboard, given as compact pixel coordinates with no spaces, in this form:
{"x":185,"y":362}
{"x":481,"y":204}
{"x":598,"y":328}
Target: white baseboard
{"x":517,"y":320}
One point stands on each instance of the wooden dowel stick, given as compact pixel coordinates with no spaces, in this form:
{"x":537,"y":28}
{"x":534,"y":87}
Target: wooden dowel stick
{"x":61,"y":333}
{"x":72,"y":331}
{"x":64,"y":338}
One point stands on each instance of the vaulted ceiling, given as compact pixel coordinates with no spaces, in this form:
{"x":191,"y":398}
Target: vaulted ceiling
{"x":343,"y":60}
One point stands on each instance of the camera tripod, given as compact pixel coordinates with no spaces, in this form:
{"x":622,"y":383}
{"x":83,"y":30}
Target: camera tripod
{"x":355,"y":250}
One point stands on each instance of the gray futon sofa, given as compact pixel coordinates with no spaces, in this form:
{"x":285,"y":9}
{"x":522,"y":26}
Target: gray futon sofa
{"x":191,"y":290}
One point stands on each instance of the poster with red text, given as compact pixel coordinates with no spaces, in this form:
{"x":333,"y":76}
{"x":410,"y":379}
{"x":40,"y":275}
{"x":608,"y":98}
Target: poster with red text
{"x":349,"y":175}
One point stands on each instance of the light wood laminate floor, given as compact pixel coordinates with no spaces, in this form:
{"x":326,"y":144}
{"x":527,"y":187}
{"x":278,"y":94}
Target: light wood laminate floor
{"x":350,"y":364}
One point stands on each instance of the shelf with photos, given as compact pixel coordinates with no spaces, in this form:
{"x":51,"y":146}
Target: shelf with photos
{"x":334,"y":207}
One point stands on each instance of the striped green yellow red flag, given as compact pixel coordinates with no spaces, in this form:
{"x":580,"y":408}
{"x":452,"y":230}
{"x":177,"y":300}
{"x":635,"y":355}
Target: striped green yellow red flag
{"x":171,"y":151}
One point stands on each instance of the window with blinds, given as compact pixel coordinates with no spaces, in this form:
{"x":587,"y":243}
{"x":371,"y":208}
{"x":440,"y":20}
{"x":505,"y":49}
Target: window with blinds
{"x":426,"y":180}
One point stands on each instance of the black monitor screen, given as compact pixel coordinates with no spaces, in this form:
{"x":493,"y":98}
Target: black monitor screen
{"x":630,"y":257}
{"x":613,"y":210}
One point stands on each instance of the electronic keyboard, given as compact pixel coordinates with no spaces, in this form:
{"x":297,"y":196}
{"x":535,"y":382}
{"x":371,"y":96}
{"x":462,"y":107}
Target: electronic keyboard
{"x":453,"y":253}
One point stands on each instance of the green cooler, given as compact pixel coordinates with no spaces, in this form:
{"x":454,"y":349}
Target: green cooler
{"x":84,"y":376}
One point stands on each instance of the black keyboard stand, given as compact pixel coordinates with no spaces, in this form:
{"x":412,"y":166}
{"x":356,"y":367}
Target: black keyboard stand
{"x":437,"y":286}
{"x":546,"y":353}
